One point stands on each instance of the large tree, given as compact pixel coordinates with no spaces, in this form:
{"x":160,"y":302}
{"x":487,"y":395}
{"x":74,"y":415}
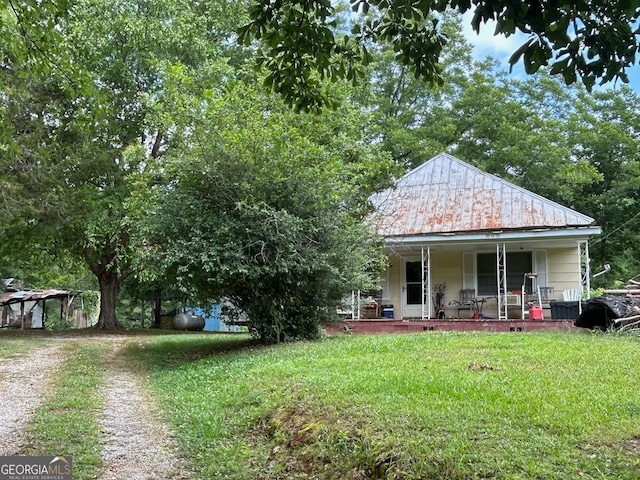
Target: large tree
{"x":595,"y":40}
{"x":266,"y":208}
{"x":605,"y":133}
{"x":114,"y":97}
{"x":408,"y":119}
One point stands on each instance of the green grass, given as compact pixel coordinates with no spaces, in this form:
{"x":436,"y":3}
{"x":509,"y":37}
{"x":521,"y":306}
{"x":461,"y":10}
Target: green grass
{"x":66,"y":424}
{"x":12,"y":346}
{"x":431,"y":406}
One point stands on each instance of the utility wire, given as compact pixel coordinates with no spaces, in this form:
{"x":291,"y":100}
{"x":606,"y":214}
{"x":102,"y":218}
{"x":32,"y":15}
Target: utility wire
{"x":600,"y":239}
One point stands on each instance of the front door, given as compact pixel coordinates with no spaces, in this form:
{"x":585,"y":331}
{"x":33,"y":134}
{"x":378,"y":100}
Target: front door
{"x":412,"y":290}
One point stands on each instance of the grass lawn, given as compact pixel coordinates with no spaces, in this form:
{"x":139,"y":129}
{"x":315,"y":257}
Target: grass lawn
{"x":13,"y":346}
{"x":431,"y":406}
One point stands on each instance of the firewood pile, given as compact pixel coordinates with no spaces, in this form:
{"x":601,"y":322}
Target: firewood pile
{"x":631,"y":289}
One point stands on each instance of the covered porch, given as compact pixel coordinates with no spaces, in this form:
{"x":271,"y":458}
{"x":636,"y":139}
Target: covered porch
{"x":486,"y":276}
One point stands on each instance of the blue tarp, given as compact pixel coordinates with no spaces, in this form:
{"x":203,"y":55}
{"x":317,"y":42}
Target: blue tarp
{"x":212,"y":320}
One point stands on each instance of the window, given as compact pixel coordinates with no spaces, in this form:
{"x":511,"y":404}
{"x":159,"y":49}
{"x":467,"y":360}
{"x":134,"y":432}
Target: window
{"x":518,"y":263}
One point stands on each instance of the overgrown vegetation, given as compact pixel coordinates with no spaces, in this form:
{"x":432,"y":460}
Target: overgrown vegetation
{"x":441,"y":405}
{"x":273,"y":208}
{"x":142,"y":153}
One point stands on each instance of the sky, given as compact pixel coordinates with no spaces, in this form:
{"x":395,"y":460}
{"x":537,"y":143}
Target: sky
{"x":501,"y":48}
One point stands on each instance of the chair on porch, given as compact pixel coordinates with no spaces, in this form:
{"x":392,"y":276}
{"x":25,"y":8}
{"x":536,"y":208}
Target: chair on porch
{"x":542,"y":296}
{"x":571,"y":295}
{"x":546,"y":295}
{"x":467,"y":301}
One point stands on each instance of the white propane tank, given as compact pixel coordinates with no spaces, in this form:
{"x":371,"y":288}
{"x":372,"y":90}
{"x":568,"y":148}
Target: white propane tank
{"x":188,"y":321}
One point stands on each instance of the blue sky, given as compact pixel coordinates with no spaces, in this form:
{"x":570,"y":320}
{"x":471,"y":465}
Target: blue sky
{"x":501,"y":48}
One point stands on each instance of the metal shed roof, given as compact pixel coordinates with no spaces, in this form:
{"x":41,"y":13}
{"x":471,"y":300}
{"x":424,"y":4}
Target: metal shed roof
{"x":446,"y":195}
{"x":7,"y":298}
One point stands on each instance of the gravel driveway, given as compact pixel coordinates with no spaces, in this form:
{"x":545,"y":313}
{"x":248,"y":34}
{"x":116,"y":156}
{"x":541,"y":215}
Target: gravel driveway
{"x":24,"y":379}
{"x":136,"y":444}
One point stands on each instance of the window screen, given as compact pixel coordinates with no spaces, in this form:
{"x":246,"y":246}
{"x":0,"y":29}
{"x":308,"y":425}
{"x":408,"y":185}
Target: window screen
{"x":518,"y":263}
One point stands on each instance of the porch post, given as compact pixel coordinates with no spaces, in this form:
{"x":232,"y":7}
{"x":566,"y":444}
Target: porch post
{"x":501,"y":269}
{"x":585,"y":272}
{"x":429,"y":290}
{"x":353,"y":305}
{"x":426,"y":280}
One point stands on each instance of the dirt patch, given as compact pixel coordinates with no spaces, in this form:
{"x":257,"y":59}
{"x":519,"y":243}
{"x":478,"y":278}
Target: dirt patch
{"x":136,"y":445}
{"x":307,"y":442}
{"x":24,"y":381}
{"x":631,"y":447}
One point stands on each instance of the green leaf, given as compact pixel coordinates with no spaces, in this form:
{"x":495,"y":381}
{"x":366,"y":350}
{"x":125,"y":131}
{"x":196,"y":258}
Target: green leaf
{"x":515,"y":57}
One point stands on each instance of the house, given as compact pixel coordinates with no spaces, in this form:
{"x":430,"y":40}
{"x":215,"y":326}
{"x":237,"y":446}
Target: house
{"x":466,"y":244}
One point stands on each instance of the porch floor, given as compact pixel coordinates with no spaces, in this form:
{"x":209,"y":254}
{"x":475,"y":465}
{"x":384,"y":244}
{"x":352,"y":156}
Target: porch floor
{"x":461,"y":325}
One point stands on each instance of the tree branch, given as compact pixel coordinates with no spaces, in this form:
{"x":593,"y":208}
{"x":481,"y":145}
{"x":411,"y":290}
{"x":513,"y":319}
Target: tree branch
{"x":155,"y":150}
{"x":37,"y":47}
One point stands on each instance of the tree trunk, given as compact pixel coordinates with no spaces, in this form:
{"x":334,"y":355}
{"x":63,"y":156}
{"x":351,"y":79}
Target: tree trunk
{"x":108,"y":291}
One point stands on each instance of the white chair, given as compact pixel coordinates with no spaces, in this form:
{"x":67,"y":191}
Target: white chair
{"x":571,"y":295}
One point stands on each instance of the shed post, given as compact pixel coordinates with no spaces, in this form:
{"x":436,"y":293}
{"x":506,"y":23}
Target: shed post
{"x":22,"y":315}
{"x":158,"y":307}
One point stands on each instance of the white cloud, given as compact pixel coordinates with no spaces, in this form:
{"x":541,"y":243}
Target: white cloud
{"x":487,"y":44}
{"x":501,"y":48}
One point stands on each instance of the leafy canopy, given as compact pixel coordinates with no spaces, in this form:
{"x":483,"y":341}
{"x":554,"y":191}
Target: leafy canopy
{"x":93,"y":91}
{"x":265,"y":207}
{"x":303,"y":44}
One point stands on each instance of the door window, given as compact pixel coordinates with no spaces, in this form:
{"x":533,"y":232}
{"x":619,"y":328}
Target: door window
{"x":414,"y":282}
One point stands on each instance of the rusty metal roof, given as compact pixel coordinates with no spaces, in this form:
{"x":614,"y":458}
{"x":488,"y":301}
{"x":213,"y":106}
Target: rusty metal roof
{"x":7,"y":298}
{"x":447,"y":195}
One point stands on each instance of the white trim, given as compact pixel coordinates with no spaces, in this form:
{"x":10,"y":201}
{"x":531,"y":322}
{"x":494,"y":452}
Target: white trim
{"x":384,"y":285}
{"x":422,"y":279}
{"x":540,"y":266}
{"x":469,"y":274}
{"x":579,"y":234}
{"x":585,"y":272}
{"x":425,"y":290}
{"x":501,"y":268}
{"x":413,"y":311}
